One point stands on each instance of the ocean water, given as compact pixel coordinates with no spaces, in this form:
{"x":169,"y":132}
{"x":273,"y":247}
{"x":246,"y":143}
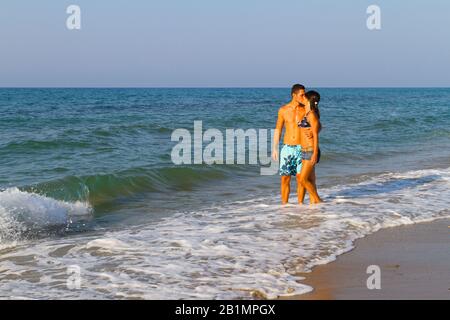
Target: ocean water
{"x":86,"y":180}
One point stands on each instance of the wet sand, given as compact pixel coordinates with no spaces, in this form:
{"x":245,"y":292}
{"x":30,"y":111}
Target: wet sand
{"x":414,"y":261}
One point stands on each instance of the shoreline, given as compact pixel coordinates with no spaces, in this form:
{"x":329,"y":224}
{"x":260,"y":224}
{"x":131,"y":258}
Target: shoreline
{"x":414,"y":263}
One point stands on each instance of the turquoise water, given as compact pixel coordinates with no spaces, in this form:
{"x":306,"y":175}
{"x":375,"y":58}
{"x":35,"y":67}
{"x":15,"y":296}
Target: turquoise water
{"x":83,"y":170}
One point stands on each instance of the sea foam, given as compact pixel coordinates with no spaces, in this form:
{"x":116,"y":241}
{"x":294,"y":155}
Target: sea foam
{"x":253,"y":248}
{"x":22,"y":212}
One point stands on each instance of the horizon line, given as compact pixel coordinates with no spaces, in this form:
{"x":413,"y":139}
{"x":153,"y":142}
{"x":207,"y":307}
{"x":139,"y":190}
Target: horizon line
{"x":220,"y":87}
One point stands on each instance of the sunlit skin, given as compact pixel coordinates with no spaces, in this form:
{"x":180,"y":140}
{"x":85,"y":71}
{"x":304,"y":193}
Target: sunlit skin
{"x":310,"y":141}
{"x":288,"y":117}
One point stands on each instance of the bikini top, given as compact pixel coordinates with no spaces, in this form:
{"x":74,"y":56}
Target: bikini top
{"x":304,"y":123}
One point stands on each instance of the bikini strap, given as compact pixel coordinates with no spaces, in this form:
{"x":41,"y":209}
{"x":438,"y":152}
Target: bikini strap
{"x":306,"y":114}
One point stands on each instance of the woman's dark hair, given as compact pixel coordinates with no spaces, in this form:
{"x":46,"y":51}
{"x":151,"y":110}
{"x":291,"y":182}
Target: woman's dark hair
{"x":314,"y":97}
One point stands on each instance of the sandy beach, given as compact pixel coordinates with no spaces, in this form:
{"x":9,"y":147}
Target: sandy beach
{"x":414,"y":262}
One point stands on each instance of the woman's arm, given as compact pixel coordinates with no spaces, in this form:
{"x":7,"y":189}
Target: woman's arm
{"x":315,"y":128}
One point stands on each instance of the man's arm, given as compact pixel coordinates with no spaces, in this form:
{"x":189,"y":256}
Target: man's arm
{"x":277,"y":135}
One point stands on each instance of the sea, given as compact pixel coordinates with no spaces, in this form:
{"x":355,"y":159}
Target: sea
{"x":93,"y":206}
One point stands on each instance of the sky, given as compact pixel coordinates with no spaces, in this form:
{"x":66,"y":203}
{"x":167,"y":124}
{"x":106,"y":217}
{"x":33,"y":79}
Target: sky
{"x":228,"y":43}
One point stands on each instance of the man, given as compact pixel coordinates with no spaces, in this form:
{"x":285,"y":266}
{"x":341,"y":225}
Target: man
{"x":291,"y":155}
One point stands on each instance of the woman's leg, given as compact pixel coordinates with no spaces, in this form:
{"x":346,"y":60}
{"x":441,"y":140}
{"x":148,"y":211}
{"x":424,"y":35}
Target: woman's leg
{"x":301,"y":191}
{"x":312,"y":178}
{"x":307,"y":169}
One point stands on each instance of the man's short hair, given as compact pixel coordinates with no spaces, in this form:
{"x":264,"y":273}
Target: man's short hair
{"x":296,"y":88}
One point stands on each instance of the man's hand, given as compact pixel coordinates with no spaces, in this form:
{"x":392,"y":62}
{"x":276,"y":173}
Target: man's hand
{"x":275,"y":154}
{"x":314,"y":158}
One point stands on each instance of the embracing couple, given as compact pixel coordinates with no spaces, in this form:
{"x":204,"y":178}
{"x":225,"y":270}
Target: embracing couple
{"x":300,"y":152}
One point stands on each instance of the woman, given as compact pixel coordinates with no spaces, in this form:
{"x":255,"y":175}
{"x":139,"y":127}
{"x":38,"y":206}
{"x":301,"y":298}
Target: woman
{"x":310,"y":127}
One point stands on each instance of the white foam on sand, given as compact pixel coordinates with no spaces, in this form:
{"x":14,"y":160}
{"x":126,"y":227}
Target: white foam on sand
{"x":249,"y":248}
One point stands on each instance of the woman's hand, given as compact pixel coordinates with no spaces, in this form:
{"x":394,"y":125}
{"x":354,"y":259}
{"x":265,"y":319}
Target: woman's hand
{"x":309,"y":134}
{"x":314,"y":158}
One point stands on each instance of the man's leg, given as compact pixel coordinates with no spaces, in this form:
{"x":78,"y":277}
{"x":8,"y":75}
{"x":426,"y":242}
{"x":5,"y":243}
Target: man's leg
{"x":301,"y":191}
{"x":285,"y":188}
{"x":307,"y":168}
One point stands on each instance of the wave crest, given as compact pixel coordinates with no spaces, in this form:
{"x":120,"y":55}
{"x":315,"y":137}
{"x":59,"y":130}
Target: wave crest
{"x":22,"y":212}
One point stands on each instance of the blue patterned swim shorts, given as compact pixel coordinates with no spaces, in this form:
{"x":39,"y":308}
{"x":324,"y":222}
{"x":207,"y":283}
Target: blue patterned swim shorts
{"x":290,"y":160}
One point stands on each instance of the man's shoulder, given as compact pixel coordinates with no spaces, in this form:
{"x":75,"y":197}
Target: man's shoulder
{"x":283,"y":108}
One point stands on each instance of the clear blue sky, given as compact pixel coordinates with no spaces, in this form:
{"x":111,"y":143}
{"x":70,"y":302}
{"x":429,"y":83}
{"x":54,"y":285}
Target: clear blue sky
{"x":256,"y":43}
